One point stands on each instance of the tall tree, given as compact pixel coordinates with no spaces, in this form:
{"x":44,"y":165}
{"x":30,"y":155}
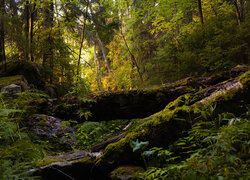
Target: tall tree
{"x":200,"y":11}
{"x":48,"y":23}
{"x":30,"y":8}
{"x":2,"y":36}
{"x":82,"y":39}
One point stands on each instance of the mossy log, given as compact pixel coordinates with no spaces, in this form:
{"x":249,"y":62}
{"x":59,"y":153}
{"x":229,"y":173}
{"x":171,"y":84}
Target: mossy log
{"x":166,"y":126}
{"x":105,"y":106}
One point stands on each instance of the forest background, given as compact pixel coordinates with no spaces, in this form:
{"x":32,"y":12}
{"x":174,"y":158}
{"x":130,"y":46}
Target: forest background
{"x":95,"y":45}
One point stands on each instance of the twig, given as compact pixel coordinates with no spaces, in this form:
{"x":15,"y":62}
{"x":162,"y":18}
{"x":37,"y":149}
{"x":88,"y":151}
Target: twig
{"x":63,"y":173}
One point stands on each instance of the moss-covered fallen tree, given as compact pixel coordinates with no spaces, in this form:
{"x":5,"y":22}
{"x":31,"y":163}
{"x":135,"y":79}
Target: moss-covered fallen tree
{"x":166,"y":126}
{"x":105,"y":106}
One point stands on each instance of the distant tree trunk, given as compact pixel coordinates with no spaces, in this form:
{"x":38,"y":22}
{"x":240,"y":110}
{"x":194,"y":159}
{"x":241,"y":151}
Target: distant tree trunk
{"x":200,"y":12}
{"x":31,"y":24}
{"x":82,"y":39}
{"x":2,"y":35}
{"x":48,"y":55}
{"x":238,"y":10}
{"x":102,"y":47}
{"x":97,"y":69}
{"x":133,"y":59}
{"x":131,"y":54}
{"x":177,"y":25}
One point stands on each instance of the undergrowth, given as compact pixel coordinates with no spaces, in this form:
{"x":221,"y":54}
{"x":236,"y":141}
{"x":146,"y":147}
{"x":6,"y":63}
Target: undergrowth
{"x":18,"y":153}
{"x":208,"y":151}
{"x":91,"y":133}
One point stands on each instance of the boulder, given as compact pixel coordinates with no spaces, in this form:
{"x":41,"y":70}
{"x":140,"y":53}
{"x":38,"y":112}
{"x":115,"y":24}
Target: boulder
{"x":13,"y":88}
{"x":17,"y":80}
{"x":30,"y":70}
{"x":52,"y":129}
{"x":71,"y":165}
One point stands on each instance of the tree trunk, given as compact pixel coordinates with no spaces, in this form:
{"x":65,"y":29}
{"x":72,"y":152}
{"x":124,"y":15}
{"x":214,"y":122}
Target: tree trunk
{"x":133,"y":59}
{"x":27,"y":17}
{"x":31,"y":24}
{"x":131,"y":54}
{"x":237,"y":11}
{"x":97,"y":69}
{"x":200,"y":12}
{"x":2,"y":35}
{"x":48,"y":44}
{"x":102,"y":47}
{"x":82,"y":39}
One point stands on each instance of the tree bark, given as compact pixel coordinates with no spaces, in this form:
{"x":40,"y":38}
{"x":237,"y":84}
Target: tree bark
{"x":48,"y":55}
{"x":237,"y":11}
{"x":27,"y":28}
{"x":82,"y":39}
{"x":200,"y":12}
{"x":2,"y":35}
{"x":102,"y":47}
{"x":97,"y":69}
{"x":31,"y":24}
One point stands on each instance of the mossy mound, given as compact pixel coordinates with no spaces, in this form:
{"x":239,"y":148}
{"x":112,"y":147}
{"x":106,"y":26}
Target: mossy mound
{"x":18,"y":80}
{"x":31,"y":71}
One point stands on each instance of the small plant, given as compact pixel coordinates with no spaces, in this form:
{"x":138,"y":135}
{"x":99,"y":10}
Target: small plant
{"x":207,"y":152}
{"x":139,"y":146}
{"x":90,"y":133}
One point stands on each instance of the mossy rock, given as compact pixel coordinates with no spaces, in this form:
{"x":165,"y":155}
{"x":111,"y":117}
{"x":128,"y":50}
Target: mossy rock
{"x":126,"y":173}
{"x":31,"y":71}
{"x":74,"y":165}
{"x":18,"y":80}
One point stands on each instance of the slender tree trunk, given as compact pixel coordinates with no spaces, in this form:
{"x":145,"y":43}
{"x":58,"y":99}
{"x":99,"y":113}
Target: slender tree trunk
{"x":31,"y":24}
{"x":133,"y":58}
{"x":102,"y":47}
{"x":82,"y":39}
{"x":200,"y":12}
{"x":97,"y":69}
{"x":48,"y":54}
{"x":27,"y":17}
{"x":237,"y":11}
{"x":2,"y":35}
{"x":177,"y":26}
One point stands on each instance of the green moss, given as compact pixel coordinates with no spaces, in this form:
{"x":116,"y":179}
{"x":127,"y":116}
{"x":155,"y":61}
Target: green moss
{"x":86,"y":160}
{"x":119,"y":146}
{"x":244,"y":79}
{"x":124,"y":171}
{"x":177,"y":114}
{"x":48,"y":161}
{"x":4,"y":81}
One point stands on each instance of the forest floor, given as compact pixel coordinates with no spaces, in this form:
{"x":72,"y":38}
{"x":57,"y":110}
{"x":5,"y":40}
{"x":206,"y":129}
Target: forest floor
{"x":194,"y":127}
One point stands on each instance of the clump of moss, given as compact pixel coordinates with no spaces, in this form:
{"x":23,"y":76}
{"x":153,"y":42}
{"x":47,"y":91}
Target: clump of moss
{"x":131,"y":172}
{"x":4,"y":81}
{"x":48,"y":161}
{"x":245,"y":79}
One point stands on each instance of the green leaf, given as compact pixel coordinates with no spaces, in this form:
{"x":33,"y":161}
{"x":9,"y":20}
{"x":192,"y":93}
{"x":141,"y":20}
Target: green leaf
{"x":136,"y":145}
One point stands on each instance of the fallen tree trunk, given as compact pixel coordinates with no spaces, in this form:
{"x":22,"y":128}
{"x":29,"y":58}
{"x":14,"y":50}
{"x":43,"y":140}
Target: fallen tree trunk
{"x":105,"y":106}
{"x":163,"y":128}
